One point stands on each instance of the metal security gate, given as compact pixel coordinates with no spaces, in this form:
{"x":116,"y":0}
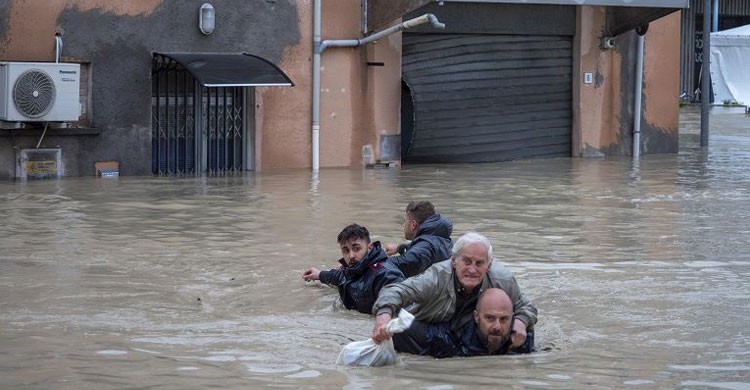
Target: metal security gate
{"x":487,"y":97}
{"x":224,"y":130}
{"x":183,"y":145}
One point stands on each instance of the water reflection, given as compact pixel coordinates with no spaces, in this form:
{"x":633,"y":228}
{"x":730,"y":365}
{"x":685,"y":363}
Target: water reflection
{"x":640,"y":273}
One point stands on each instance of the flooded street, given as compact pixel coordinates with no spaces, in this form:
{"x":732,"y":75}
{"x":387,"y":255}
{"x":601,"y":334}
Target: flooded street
{"x":640,"y":273}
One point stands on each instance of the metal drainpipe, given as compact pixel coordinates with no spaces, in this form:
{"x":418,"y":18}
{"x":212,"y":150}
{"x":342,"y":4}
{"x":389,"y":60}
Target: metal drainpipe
{"x":316,"y":86}
{"x":638,"y":106}
{"x":706,"y":74}
{"x":58,"y":47}
{"x":320,"y":46}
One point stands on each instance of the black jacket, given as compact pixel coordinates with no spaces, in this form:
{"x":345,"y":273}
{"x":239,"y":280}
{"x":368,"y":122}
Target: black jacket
{"x":360,"y":284}
{"x":432,"y":244}
{"x":438,"y":340}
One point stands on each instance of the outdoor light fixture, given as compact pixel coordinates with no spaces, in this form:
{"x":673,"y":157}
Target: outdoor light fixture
{"x":207,"y":18}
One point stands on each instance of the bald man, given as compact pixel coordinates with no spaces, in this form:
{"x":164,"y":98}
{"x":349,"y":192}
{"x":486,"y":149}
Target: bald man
{"x":488,"y":334}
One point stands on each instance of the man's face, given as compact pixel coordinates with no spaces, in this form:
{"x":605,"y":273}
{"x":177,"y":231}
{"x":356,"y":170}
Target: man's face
{"x":471,"y":263}
{"x":410,"y":227}
{"x":353,"y":250}
{"x":493,"y":325}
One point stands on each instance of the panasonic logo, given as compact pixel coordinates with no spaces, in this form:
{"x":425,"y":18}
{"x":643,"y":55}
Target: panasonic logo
{"x":68,"y":72}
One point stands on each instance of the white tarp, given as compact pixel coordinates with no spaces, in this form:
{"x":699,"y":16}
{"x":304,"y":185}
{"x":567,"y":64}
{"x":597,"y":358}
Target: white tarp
{"x":730,"y":65}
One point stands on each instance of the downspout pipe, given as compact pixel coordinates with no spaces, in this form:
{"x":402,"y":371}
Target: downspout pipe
{"x":320,"y":46}
{"x":638,"y":104}
{"x":706,"y":74}
{"x":715,"y":17}
{"x":316,"y":87}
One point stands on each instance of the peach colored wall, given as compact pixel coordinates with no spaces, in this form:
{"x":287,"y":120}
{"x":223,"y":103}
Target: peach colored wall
{"x":599,"y":126}
{"x":34,"y":41}
{"x":595,"y":117}
{"x":341,"y":96}
{"x":385,"y":87}
{"x":357,"y":102}
{"x":283,"y":116}
{"x":661,"y":79}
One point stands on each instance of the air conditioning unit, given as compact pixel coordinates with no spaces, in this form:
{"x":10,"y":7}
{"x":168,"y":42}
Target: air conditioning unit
{"x":39,"y":92}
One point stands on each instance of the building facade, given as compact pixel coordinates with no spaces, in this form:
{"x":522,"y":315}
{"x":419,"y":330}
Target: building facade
{"x":504,"y":80}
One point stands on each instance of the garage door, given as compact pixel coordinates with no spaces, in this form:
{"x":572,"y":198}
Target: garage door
{"x":486,"y":97}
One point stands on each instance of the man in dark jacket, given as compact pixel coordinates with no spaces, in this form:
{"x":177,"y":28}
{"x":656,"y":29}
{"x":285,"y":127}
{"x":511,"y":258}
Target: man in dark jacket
{"x":430,"y":235}
{"x":363,"y":273}
{"x":488,"y":334}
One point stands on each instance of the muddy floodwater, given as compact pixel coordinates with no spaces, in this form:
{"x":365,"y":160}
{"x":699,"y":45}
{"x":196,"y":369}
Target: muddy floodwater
{"x":640,"y":273}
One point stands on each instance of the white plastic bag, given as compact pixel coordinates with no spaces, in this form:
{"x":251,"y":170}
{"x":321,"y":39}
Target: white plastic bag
{"x":367,"y":353}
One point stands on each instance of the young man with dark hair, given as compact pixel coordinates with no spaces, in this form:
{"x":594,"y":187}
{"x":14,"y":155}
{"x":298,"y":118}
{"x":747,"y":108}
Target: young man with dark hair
{"x":364,"y":270}
{"x":430,"y":235}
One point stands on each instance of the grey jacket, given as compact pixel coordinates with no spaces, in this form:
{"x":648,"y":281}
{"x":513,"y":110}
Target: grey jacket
{"x":434,"y":295}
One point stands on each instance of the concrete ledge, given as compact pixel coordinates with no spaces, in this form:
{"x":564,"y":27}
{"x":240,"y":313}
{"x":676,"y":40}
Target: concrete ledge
{"x":53,"y":132}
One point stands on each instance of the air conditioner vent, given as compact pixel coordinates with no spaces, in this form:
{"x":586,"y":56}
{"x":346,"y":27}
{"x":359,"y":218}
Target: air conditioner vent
{"x":40,"y":91}
{"x":34,"y":93}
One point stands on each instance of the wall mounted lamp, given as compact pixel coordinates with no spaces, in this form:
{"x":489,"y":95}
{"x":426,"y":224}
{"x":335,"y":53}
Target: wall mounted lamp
{"x":207,"y":18}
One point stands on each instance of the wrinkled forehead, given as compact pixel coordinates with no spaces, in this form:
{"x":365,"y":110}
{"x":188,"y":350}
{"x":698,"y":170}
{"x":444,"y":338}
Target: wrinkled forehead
{"x":474,"y":251}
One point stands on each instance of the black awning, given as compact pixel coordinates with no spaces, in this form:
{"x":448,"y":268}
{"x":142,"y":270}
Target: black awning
{"x":623,"y":19}
{"x":231,"y":69}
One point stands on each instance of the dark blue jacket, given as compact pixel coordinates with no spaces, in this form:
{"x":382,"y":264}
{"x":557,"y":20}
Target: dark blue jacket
{"x":438,"y":340}
{"x":432,"y":244}
{"x":360,"y":284}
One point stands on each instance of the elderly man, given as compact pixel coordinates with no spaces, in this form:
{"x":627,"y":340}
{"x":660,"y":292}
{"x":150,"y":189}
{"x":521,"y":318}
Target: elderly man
{"x":488,"y":334}
{"x":448,"y":291}
{"x":430,"y":235}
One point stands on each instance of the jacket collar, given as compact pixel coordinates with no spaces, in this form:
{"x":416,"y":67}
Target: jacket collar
{"x":435,"y":225}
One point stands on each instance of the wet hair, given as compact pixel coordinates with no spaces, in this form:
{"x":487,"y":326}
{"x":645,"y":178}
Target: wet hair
{"x":420,"y":210}
{"x":472,"y":238}
{"x":353,"y":232}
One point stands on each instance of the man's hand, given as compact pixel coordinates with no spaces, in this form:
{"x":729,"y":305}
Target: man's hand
{"x":518,"y":336}
{"x":391,"y":249}
{"x":379,"y":333}
{"x":312,"y":273}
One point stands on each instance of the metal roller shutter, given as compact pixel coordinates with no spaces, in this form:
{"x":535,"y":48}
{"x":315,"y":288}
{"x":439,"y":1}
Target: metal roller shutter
{"x":485,"y":97}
